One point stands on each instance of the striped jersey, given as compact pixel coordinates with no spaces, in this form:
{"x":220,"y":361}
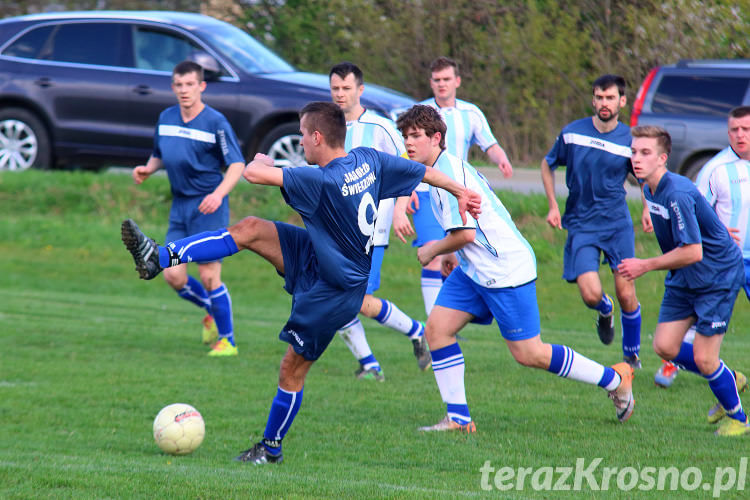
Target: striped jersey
{"x":499,"y":256}
{"x":597,"y":165}
{"x":726,"y":185}
{"x":378,"y":132}
{"x":466,"y":125}
{"x":195,"y":153}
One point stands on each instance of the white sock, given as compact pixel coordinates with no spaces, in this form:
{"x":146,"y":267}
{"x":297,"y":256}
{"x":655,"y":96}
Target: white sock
{"x":430,"y":289}
{"x":448,"y":366}
{"x":353,"y":335}
{"x":393,"y":317}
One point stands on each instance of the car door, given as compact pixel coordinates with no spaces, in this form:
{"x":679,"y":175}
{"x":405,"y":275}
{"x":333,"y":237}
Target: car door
{"x":157,"y":49}
{"x":79,"y":74}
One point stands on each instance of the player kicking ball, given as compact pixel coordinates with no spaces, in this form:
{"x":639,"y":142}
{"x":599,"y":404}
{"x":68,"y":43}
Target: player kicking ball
{"x":492,"y":275}
{"x":705,"y":273}
{"x":326,"y":265}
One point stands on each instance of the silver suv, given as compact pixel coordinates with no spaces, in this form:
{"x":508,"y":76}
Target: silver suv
{"x":691,"y":100}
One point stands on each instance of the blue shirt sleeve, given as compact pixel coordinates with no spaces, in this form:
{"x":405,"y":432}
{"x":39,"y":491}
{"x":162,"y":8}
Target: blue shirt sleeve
{"x":558,"y":155}
{"x":228,"y":144}
{"x":302,"y":188}
{"x":399,"y":176}
{"x":682,"y":219}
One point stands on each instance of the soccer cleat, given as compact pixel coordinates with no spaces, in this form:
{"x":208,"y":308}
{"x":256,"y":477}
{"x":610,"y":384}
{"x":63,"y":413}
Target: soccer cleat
{"x":422,"y":353}
{"x":370,"y":374}
{"x":666,"y":374}
{"x":717,"y":412}
{"x":210,"y":333}
{"x":259,"y":455}
{"x":622,"y":397}
{"x":633,"y":360}
{"x":605,"y":325}
{"x":144,"y":250}
{"x":732,"y":427}
{"x":449,"y":425}
{"x":223,"y":348}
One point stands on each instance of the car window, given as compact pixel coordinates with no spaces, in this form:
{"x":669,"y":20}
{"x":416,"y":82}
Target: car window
{"x":87,"y":43}
{"x":30,"y":44}
{"x":699,"y":95}
{"x":244,"y":51}
{"x":160,"y":50}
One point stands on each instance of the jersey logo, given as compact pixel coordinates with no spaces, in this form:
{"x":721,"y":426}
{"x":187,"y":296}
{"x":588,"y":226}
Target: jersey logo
{"x":660,"y":210}
{"x":355,"y":183}
{"x":593,"y":142}
{"x":187,"y":133}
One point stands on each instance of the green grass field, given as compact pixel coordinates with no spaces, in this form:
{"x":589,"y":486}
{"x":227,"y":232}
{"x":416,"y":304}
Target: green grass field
{"x":90,"y":353}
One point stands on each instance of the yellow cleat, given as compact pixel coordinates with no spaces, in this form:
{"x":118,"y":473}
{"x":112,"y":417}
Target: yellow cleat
{"x":223,"y":348}
{"x":210,"y":332}
{"x":447,"y":424}
{"x":732,"y":427}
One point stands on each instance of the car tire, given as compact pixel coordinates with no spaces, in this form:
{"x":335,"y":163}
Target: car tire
{"x":24,"y":141}
{"x":692,"y":167}
{"x":284,"y":145}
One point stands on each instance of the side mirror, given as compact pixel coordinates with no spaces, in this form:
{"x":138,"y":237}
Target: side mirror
{"x":211,"y":68}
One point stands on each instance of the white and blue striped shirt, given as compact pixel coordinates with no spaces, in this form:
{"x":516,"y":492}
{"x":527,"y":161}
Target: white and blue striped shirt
{"x":378,"y":132}
{"x":500,"y":256}
{"x":466,"y":125}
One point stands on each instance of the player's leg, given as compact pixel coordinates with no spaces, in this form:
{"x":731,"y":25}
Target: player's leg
{"x":284,"y":408}
{"x":428,"y":229}
{"x":221,"y":309}
{"x":630,"y":310}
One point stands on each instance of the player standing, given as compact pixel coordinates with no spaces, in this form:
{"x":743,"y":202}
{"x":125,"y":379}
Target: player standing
{"x":705,"y":273}
{"x":493,"y":277}
{"x":596,"y":152}
{"x":367,"y":128}
{"x":194,"y":142}
{"x":325,"y":266}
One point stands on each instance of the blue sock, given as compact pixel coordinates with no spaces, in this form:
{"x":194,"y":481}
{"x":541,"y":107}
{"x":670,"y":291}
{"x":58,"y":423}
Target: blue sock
{"x":283,"y":410}
{"x":194,"y":292}
{"x":685,"y":359}
{"x":369,"y":362}
{"x":605,"y":306}
{"x":631,"y":332}
{"x":208,"y":246}
{"x":724,"y":387}
{"x":221,"y":310}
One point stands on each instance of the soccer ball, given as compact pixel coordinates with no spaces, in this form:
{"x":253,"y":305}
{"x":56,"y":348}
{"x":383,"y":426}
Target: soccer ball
{"x":179,"y":429}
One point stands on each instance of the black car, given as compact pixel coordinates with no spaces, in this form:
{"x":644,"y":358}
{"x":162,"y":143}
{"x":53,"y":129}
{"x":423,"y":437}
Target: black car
{"x":86,"y":88}
{"x":692,"y":100}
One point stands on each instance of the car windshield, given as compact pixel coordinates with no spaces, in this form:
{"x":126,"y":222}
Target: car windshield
{"x":244,"y":51}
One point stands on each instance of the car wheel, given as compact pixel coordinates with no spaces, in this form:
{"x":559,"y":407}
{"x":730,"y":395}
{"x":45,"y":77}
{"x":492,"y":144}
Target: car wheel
{"x":692,"y":167}
{"x":24,"y":141}
{"x":284,"y":145}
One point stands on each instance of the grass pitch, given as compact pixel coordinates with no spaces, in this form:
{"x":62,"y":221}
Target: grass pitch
{"x":90,"y":354}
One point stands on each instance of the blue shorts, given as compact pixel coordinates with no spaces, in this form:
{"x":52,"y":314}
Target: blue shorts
{"x":746,"y":286}
{"x":515,"y":309}
{"x":185,"y":219}
{"x":583,"y":249}
{"x":319,"y":309}
{"x":713,"y":308}
{"x":373,"y":283}
{"x":425,"y":224}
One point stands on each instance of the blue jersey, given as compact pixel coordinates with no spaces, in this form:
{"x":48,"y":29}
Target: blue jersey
{"x":597,"y":166}
{"x":338,"y":204}
{"x":466,"y":125}
{"x":682,"y":216}
{"x":195,"y":153}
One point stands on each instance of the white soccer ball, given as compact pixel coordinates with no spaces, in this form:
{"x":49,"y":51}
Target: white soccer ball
{"x":179,"y":429}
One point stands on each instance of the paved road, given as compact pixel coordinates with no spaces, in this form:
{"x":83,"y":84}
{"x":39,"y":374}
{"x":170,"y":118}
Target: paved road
{"x":529,"y":180}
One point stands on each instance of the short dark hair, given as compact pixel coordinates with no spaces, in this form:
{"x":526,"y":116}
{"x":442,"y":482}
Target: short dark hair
{"x":425,"y":117}
{"x":739,"y":112}
{"x":185,"y":67}
{"x":663,"y":139}
{"x":606,"y":81}
{"x":443,"y":62}
{"x":328,"y":119}
{"x":343,"y":69}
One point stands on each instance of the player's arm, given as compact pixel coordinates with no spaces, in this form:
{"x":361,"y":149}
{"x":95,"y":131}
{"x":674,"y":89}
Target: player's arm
{"x":213,"y":200}
{"x":498,"y":157}
{"x":648,"y":226}
{"x":454,"y":240}
{"x":468,"y":200}
{"x":676,"y":258}
{"x":548,"y":180}
{"x":143,"y":172}
{"x":401,"y":225}
{"x":262,"y":171}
